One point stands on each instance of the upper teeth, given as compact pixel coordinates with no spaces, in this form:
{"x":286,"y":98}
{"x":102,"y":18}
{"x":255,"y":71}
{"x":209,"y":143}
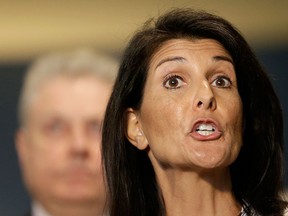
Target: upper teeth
{"x":205,"y":127}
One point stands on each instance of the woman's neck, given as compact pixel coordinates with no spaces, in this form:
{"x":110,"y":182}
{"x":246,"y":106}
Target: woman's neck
{"x":194,"y":193}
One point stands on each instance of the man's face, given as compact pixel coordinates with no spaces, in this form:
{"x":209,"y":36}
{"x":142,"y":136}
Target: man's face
{"x":59,"y":147}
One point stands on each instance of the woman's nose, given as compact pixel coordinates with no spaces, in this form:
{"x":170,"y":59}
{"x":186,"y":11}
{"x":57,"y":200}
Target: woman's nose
{"x":204,"y":97}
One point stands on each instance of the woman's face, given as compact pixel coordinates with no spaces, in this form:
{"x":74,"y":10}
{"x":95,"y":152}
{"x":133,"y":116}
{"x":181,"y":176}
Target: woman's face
{"x":191,"y":114}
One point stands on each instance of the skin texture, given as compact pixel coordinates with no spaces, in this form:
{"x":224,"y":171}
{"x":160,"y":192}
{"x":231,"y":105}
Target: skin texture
{"x":190,"y":82}
{"x":59,"y":146}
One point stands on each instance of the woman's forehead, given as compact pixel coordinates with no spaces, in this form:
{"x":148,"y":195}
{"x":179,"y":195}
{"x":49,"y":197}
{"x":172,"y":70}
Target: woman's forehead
{"x":176,"y":49}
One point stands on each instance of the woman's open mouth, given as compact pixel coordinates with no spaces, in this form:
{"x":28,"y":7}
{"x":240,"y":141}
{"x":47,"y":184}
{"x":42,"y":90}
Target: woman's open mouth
{"x":206,"y":129}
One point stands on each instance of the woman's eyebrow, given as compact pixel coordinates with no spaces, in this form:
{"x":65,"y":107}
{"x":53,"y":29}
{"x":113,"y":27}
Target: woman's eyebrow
{"x":175,"y":58}
{"x":223,"y":58}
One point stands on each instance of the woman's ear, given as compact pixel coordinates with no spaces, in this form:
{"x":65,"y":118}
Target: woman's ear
{"x":134,"y":131}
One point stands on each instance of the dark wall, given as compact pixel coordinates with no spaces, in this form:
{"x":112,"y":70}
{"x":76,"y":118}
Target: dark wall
{"x":13,"y":198}
{"x":275,"y":62}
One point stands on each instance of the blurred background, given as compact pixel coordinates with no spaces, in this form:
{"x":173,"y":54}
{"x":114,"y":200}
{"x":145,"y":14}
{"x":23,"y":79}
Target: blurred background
{"x":30,"y":28}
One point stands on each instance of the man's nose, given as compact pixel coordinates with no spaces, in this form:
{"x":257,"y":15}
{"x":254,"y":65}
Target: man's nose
{"x":204,"y":97}
{"x":79,"y":141}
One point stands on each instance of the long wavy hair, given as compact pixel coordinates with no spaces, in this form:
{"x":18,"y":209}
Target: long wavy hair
{"x":256,"y":174}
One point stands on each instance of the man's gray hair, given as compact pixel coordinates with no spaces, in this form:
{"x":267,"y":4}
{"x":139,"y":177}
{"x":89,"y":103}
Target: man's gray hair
{"x":69,"y":64}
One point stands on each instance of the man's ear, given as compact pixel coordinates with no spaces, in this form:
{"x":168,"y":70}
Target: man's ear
{"x":21,"y":145}
{"x":134,"y":130}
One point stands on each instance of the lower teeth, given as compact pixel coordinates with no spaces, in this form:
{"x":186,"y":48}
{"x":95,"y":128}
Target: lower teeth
{"x":205,"y":133}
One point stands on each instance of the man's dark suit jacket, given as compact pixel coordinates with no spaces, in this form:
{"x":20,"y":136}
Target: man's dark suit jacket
{"x":28,"y":214}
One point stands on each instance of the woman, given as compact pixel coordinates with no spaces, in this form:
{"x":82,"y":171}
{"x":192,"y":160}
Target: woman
{"x":193,"y":126}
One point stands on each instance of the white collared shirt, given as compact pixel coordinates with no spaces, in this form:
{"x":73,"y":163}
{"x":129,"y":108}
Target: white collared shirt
{"x":38,"y":210}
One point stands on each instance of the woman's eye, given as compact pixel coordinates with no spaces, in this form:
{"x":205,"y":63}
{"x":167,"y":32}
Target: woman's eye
{"x":173,"y":82}
{"x":222,"y":82}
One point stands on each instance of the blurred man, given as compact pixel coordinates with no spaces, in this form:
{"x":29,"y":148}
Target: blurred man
{"x":61,"y":109}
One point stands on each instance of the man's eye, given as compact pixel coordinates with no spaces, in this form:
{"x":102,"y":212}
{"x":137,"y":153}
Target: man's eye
{"x":95,"y":127}
{"x":54,"y":129}
{"x":222,"y":82}
{"x":173,"y":82}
